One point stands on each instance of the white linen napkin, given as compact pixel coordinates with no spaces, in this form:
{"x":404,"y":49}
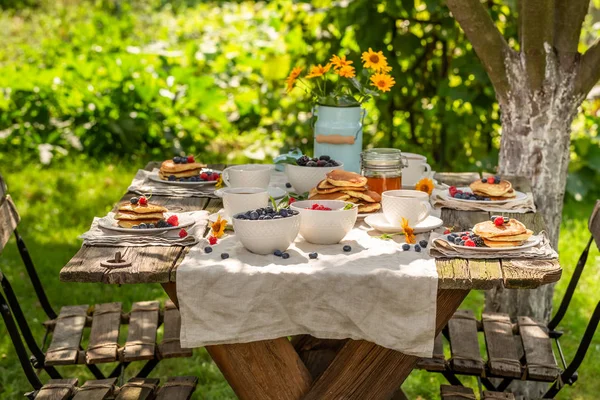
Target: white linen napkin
{"x":98,"y":236}
{"x":142,"y":185}
{"x":438,"y":199}
{"x":375,"y":292}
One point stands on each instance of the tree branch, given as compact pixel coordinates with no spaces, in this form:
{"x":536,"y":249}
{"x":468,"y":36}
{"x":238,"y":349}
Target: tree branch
{"x":537,"y":27}
{"x":568,"y":18}
{"x":487,"y":41}
{"x":589,"y":70}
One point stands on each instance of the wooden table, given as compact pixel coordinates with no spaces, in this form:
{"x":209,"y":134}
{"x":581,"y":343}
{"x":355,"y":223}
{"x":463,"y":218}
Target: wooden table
{"x":307,"y":367}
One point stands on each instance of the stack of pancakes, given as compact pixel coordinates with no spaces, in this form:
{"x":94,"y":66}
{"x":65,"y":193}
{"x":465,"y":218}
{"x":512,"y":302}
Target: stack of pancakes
{"x":347,"y":186}
{"x":495,"y":191}
{"x":512,"y":233}
{"x":129,"y":215}
{"x":169,"y":168}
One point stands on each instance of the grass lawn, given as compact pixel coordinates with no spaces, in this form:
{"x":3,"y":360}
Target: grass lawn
{"x":58,"y":204}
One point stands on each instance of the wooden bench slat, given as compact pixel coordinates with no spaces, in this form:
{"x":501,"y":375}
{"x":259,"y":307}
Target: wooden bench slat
{"x":456,"y":392}
{"x":464,"y":343}
{"x":497,"y":395}
{"x":503,"y":358}
{"x":138,"y":389}
{"x":178,"y":388}
{"x":437,"y":362}
{"x":57,"y":389}
{"x":170,"y":346}
{"x":541,"y":363}
{"x":104,"y":335}
{"x":9,"y":219}
{"x":64,"y":347}
{"x":141,"y":339}
{"x":96,"y":390}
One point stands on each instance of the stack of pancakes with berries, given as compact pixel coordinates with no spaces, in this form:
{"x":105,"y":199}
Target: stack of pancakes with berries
{"x":494,"y":188}
{"x":180,"y":167}
{"x":347,"y":186}
{"x":502,"y":232}
{"x":139,"y":211}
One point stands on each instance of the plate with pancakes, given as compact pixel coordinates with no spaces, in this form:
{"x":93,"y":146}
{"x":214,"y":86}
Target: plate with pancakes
{"x":347,"y":186}
{"x":185,"y":171}
{"x":142,"y":219}
{"x":485,"y":190}
{"x":499,"y":233}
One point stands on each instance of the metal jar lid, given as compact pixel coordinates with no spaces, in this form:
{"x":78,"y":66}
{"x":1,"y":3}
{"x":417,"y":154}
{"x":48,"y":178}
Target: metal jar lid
{"x":383,"y":159}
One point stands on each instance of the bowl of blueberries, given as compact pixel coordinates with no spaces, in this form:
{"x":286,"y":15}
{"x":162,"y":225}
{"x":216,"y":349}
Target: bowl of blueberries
{"x":264,"y":230}
{"x":308,"y":172}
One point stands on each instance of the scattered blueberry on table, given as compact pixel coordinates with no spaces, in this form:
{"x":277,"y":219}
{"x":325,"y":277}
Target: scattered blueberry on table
{"x":224,"y":256}
{"x":347,"y":248}
{"x":285,"y":256}
{"x":277,"y":253}
{"x":406,"y":247}
{"x":417,"y":248}
{"x":423,"y":243}
{"x":288,"y":185}
{"x":208,"y":249}
{"x":313,"y":256}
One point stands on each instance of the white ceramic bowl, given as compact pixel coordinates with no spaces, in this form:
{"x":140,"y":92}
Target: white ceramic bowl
{"x":266,"y":236}
{"x":325,"y":227}
{"x":305,"y":178}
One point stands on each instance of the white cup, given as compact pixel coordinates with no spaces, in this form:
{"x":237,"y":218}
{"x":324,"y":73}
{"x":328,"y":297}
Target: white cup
{"x":413,"y":205}
{"x":247,"y":175}
{"x":417,"y":167}
{"x":242,"y":199}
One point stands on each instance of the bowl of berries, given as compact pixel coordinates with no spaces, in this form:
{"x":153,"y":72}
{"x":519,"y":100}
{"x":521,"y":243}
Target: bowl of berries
{"x":307,"y":172}
{"x":325,"y":221}
{"x":264,"y":230}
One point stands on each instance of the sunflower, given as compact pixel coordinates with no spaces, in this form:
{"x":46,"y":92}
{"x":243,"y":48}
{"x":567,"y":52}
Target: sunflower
{"x":291,"y":79}
{"x":340,"y":62}
{"x":409,"y":232}
{"x":374,"y":60}
{"x":346,"y":71}
{"x":219,"y":183}
{"x":318,"y":70}
{"x":425,"y":185}
{"x":384,"y":82}
{"x":218,"y":227}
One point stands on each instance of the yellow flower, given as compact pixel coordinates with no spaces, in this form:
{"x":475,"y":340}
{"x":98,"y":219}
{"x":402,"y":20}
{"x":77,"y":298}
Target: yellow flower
{"x":218,"y":227}
{"x":375,"y":60}
{"x":318,"y":70}
{"x":346,"y":71}
{"x":291,"y":79}
{"x":219,"y":183}
{"x":340,"y":62}
{"x":384,"y":82}
{"x":425,"y":185}
{"x":409,"y":232}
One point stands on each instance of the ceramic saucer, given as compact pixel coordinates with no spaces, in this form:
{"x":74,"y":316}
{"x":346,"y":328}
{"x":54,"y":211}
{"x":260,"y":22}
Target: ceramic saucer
{"x":379,"y":222}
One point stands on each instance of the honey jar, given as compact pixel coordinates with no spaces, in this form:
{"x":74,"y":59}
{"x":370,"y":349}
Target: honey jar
{"x":383,"y":168}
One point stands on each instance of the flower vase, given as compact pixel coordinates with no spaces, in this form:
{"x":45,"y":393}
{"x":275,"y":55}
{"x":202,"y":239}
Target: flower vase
{"x":338,"y":134}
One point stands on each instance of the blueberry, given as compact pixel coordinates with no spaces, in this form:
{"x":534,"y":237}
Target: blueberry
{"x":461,"y":243}
{"x":224,"y":256}
{"x":208,"y":249}
{"x":347,"y":248}
{"x":284,"y":213}
{"x":483,"y":180}
{"x":325,"y":158}
{"x":288,"y":185}
{"x":277,"y":216}
{"x":134,"y":200}
{"x":172,"y":178}
{"x":143,"y":226}
{"x":135,"y":227}
{"x":417,"y":248}
{"x":315,"y":159}
{"x":277,"y":253}
{"x":302,"y":160}
{"x":335,"y":163}
{"x":312,"y":256}
{"x":268,"y":216}
{"x":183,"y":160}
{"x":321,"y":163}
{"x":487,"y":199}
{"x":261,"y":217}
{"x":151,"y":226}
{"x":406,"y":247}
{"x":253,"y":215}
{"x":176,"y":160}
{"x":311,"y":164}
{"x":423,"y":243}
{"x":496,"y":179}
{"x":285,"y":256}
{"x":451,"y":239}
{"x":506,"y":220}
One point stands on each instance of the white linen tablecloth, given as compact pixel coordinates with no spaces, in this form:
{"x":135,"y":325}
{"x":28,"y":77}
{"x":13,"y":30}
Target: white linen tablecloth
{"x":376,"y":292}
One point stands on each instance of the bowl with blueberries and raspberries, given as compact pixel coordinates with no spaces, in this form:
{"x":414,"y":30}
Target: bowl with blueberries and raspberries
{"x":325,"y":221}
{"x":264,"y":230}
{"x":307,"y":172}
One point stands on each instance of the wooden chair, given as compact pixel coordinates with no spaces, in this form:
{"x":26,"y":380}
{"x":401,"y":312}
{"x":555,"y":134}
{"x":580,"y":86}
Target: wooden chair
{"x":448,"y":392}
{"x":177,"y":388}
{"x":66,"y":329}
{"x":520,"y":349}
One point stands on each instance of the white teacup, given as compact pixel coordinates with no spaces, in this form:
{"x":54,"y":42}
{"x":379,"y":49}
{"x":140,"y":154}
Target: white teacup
{"x":247,"y":175}
{"x":416,"y":169}
{"x":242,"y":199}
{"x":410,"y":204}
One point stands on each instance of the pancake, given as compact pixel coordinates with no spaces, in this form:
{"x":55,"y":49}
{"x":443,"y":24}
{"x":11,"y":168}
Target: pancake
{"x":516,"y":238}
{"x":508,"y":195}
{"x":138,"y":209}
{"x":368,"y":207}
{"x":326,"y":187}
{"x":491,"y":189}
{"x":134,"y":217}
{"x":184,"y":174}
{"x":353,"y":200}
{"x":340,"y":177}
{"x":329,"y":196}
{"x":368,"y":196}
{"x":487,"y":229}
{"x":129,"y":224}
{"x":490,"y":243}
{"x":169,"y":167}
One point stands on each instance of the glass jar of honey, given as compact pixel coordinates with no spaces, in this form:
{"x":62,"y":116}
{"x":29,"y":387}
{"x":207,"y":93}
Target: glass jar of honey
{"x":383,"y":169}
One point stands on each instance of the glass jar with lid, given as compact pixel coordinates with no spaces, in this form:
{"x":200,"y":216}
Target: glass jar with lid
{"x":383,"y":168}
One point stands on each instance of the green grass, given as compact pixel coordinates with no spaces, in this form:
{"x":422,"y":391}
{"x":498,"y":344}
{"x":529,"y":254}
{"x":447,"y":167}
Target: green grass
{"x":58,"y":203}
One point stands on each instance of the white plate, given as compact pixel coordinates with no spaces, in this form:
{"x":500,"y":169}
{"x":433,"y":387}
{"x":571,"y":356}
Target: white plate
{"x":106,"y":223}
{"x":156,"y":178}
{"x":380,"y":222}
{"x":518,"y":197}
{"x":532,"y":241}
{"x":274,"y":191}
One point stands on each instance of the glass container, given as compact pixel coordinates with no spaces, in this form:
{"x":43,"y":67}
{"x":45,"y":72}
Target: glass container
{"x":383,"y":168}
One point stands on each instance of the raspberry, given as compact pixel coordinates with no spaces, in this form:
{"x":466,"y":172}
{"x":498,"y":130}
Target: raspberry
{"x":491,"y":179}
{"x":212,"y":240}
{"x":190,"y":159}
{"x":292,"y":200}
{"x":447,"y":231}
{"x":183,"y":233}
{"x":499,"y":221}
{"x":173,"y":220}
{"x":469,"y":243}
{"x":204,"y":176}
{"x":214,"y":176}
{"x":143,"y":201}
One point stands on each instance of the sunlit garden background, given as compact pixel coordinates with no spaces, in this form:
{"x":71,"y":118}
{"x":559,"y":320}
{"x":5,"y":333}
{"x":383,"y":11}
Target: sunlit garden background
{"x":90,"y":91}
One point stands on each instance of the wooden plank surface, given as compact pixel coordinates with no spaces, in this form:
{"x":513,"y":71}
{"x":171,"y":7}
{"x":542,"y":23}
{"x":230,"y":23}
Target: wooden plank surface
{"x":541,"y":364}
{"x":96,"y":390}
{"x":141,"y":338}
{"x":138,"y":389}
{"x":464,"y":344}
{"x":9,"y":219}
{"x":503,"y":357}
{"x":104,"y":334}
{"x":171,"y":346}
{"x":177,"y":388}
{"x":456,"y":392}
{"x":487,"y":395}
{"x":64,"y":347}
{"x":316,"y":353}
{"x":437,"y":362}
{"x":57,"y":389}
